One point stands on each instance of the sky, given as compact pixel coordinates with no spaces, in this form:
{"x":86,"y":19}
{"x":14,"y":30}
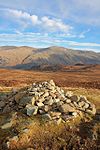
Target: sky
{"x":43,"y":23}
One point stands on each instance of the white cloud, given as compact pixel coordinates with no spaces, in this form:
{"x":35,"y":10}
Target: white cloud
{"x":55,"y":24}
{"x":84,"y":44}
{"x":18,"y":14}
{"x":82,"y":11}
{"x":27,"y":20}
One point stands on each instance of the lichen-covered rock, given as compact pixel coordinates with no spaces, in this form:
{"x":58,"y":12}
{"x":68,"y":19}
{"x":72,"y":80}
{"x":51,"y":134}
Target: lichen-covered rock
{"x":25,"y":100}
{"x":31,"y":110}
{"x":66,"y":108}
{"x":74,"y":98}
{"x":46,"y":117}
{"x":2,"y":104}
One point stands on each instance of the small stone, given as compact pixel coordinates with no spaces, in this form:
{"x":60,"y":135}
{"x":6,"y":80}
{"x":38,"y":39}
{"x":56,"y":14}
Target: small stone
{"x":66,"y":117}
{"x":26,"y":130}
{"x":81,"y":104}
{"x":62,"y":91}
{"x":65,"y":108}
{"x":36,"y":97}
{"x":83,"y":98}
{"x":19,"y":96}
{"x":46,"y":108}
{"x":69,"y":94}
{"x":86,"y":106}
{"x":15,"y":138}
{"x":7,"y":145}
{"x":74,"y":98}
{"x":40,"y":85}
{"x":41,"y":99}
{"x":74,"y":114}
{"x":75,"y":104}
{"x":40,"y":104}
{"x":46,"y":117}
{"x":53,"y":95}
{"x":60,"y":103}
{"x":56,"y":100}
{"x":31,"y":110}
{"x":93,"y":109}
{"x":52,"y":82}
{"x":34,"y":90}
{"x":41,"y":111}
{"x":36,"y":93}
{"x":68,"y":101}
{"x":55,"y":114}
{"x":30,"y":149}
{"x":41,"y":93}
{"x":25,"y":100}
{"x":49,"y":102}
{"x":31,"y":93}
{"x":33,"y":101}
{"x":58,"y":121}
{"x":2,"y":104}
{"x":7,"y":125}
{"x":7,"y":109}
{"x":50,"y":87}
{"x":46,"y":94}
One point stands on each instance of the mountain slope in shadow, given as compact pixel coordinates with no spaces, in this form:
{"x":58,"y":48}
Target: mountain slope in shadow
{"x":30,"y":58}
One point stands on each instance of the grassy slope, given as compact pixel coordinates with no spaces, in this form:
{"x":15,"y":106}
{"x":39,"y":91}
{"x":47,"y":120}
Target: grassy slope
{"x":40,"y":136}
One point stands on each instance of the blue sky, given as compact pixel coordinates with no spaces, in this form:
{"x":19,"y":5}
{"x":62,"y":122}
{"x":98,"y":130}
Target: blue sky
{"x":43,"y":23}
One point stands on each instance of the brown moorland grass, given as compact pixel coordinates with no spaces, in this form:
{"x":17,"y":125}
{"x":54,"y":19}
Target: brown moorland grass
{"x":69,"y":136}
{"x":87,"y":78}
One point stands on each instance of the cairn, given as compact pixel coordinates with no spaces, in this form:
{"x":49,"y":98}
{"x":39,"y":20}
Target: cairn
{"x":49,"y":101}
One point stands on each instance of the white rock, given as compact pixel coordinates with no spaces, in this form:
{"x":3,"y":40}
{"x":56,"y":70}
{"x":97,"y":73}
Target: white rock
{"x":46,"y":108}
{"x":46,"y":94}
{"x":40,"y":104}
{"x":74,"y":114}
{"x":69,"y":94}
{"x":52,"y":82}
{"x":7,"y":125}
{"x":68,"y":101}
{"x":33,"y":101}
{"x":86,"y":105}
{"x":49,"y":101}
{"x":58,"y":121}
{"x":55,"y":114}
{"x":81,"y":104}
{"x":56,"y":100}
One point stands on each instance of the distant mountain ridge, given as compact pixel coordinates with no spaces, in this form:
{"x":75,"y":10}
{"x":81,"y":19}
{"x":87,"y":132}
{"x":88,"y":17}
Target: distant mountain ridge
{"x":25,"y":57}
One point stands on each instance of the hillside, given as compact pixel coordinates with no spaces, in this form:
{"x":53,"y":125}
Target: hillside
{"x":51,"y":57}
{"x":12,"y":56}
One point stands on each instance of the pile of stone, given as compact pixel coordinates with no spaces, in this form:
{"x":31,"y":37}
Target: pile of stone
{"x":49,"y":101}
